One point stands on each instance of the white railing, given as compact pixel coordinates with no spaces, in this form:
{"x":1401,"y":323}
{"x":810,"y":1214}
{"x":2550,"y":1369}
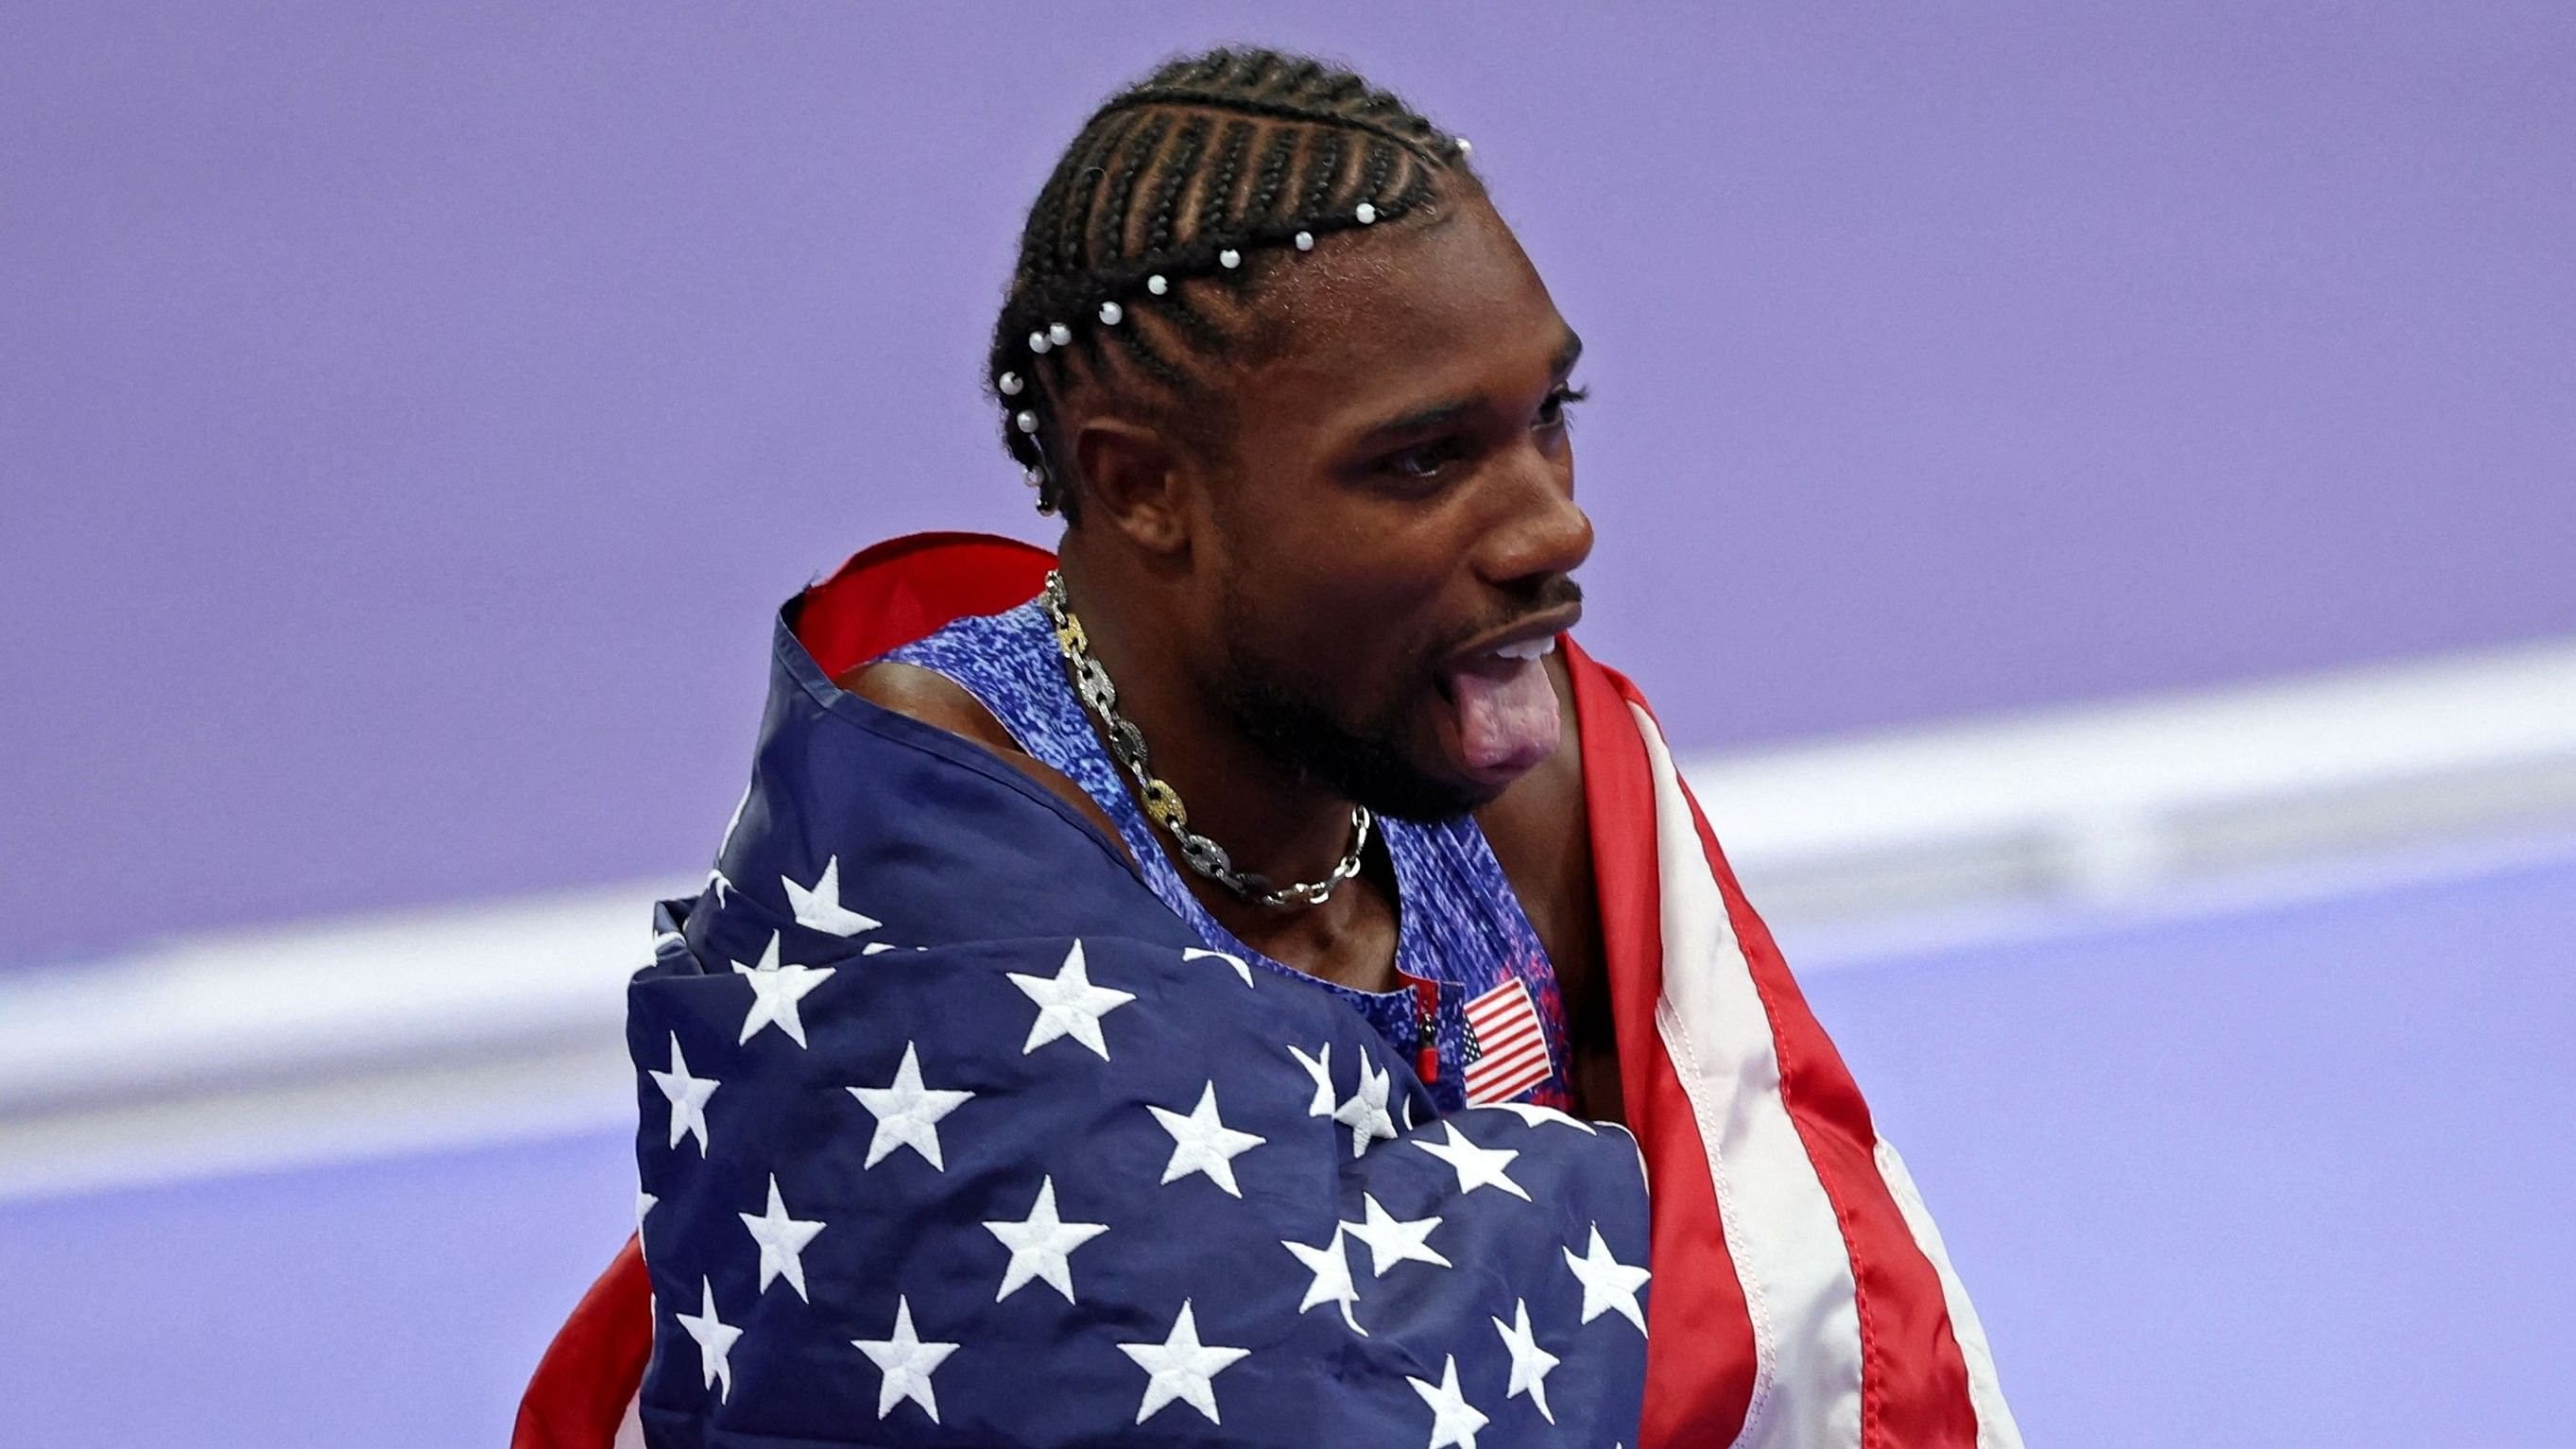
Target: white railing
{"x":2110,"y":801}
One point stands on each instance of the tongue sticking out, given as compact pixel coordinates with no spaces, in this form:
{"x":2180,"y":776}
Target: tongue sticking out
{"x":1507,"y":718}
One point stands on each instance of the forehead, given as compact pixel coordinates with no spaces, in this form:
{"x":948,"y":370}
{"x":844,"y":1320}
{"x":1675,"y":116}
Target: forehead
{"x":1374,"y":321}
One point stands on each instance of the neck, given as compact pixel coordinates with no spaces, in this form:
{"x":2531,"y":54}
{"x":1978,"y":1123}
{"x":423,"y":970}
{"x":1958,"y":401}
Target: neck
{"x":1270,"y":819}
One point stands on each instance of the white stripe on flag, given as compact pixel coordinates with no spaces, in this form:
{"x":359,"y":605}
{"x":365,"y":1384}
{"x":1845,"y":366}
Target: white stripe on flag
{"x":1779,"y":1224}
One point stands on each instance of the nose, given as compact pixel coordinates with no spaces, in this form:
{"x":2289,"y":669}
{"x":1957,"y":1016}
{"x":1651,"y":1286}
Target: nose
{"x":1543,"y":535}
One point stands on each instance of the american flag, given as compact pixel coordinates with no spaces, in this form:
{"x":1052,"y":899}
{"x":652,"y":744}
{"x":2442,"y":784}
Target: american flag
{"x":899,"y":1196}
{"x":1091,"y":1190}
{"x":1507,"y":1054}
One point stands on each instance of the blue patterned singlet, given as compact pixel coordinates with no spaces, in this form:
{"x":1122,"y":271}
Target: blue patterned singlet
{"x":1461,"y":936}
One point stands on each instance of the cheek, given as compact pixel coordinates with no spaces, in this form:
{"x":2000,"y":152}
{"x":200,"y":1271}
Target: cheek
{"x":1357,"y":617}
{"x":1343,"y":590}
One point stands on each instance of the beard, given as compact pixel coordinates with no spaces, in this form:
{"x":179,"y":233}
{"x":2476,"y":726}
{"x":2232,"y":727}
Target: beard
{"x":1292,"y":720}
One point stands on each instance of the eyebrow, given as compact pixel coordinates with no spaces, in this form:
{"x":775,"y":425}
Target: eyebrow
{"x":1441,"y":414}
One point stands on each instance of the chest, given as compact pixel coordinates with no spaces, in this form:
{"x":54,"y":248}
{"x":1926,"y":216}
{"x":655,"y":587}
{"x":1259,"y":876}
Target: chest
{"x":1448,"y":968}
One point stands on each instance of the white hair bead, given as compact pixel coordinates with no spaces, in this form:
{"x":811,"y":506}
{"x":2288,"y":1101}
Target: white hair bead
{"x":1009,"y":383}
{"x":1026,"y":422}
{"x":1229,"y":258}
{"x":1463,"y":146}
{"x":1367,"y":214}
{"x":1305,"y":241}
{"x":1059,"y":334}
{"x":1110,"y":312}
{"x":1036,"y":477}
{"x":1037,"y":342}
{"x":1156,"y":285}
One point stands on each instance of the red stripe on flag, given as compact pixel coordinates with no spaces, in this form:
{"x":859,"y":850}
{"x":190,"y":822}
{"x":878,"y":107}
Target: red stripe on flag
{"x":1501,"y":1081}
{"x":1500,"y":1004}
{"x":1914,"y":1383}
{"x":1699,"y":1351}
{"x":582,"y":1386}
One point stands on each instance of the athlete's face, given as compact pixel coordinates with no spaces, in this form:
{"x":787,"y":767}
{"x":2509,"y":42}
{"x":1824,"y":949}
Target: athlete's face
{"x":1396,"y":508}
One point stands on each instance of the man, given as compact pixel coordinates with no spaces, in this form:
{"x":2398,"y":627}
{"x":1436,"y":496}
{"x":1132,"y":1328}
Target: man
{"x":1277,"y":784}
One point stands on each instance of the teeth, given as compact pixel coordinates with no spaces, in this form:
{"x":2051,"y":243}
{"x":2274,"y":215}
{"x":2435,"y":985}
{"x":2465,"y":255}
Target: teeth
{"x":1534,"y":649}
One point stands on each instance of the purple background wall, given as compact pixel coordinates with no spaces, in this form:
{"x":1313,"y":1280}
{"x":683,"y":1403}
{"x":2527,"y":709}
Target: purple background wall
{"x":410,"y":414}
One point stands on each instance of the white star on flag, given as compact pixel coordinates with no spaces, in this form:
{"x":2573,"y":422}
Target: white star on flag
{"x":715,"y":1340}
{"x":1476,"y":1166}
{"x":1203,"y":1143}
{"x":1607,"y":1283}
{"x":1241,"y":967}
{"x":1331,"y":1265}
{"x":1454,"y":1421}
{"x":1181,"y":1367}
{"x":1530,"y":1362}
{"x":906,"y":1361}
{"x":1537,"y":1116}
{"x":775,"y":990}
{"x":1069,"y":1005}
{"x":1042,"y":1245}
{"x":1392,"y":1240}
{"x":1365,"y":1113}
{"x":782,"y":1241}
{"x":1320,"y":1067}
{"x":818,"y":907}
{"x":908,"y":1113}
{"x":688,"y":1097}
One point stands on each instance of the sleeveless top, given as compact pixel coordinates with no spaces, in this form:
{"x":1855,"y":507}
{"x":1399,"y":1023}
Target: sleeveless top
{"x":1479,"y":1011}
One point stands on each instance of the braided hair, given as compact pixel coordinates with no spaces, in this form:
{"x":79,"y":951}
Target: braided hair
{"x":1142,"y":252}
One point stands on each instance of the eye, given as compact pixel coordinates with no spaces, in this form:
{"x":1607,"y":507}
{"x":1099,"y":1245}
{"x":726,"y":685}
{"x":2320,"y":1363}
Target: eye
{"x":1423,"y":463}
{"x":1552,"y":413}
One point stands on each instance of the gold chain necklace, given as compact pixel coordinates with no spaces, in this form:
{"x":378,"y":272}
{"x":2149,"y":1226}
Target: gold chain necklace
{"x":1163,"y":803}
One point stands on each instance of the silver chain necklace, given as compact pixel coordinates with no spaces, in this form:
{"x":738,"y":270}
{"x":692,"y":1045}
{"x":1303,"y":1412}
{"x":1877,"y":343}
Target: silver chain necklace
{"x":1163,"y":803}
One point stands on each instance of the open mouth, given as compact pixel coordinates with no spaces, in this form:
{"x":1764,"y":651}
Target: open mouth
{"x":1502,"y":716}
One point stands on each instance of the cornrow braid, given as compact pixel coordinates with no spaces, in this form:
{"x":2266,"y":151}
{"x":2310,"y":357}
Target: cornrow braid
{"x":1086,"y":186}
{"x":1216,"y":198}
{"x":1111,"y":223}
{"x":1276,"y":158}
{"x":1181,"y":166}
{"x":1323,"y":172}
{"x":1354,"y":116}
{"x":1144,"y":251}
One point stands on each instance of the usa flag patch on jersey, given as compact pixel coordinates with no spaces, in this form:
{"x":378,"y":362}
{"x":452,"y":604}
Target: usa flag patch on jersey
{"x":1507,"y":1054}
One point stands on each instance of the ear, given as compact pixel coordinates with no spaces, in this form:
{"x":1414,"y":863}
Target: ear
{"x":1134,"y":479}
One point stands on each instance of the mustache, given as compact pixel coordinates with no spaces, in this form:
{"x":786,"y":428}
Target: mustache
{"x":1555,"y":592}
{"x":1543,"y":596}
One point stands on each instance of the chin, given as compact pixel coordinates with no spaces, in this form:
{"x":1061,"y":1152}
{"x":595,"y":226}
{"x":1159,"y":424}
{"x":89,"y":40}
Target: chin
{"x":1423,"y":796}
{"x":1394,"y":760}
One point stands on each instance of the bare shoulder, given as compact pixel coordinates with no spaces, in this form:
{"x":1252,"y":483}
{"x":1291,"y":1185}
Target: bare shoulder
{"x":942,"y":703}
{"x":932,"y":698}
